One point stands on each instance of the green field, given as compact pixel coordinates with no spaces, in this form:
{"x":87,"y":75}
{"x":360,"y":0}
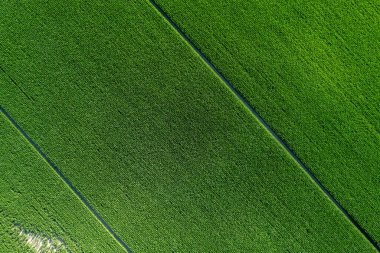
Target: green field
{"x":311,"y":70}
{"x":155,"y":141}
{"x":35,"y":202}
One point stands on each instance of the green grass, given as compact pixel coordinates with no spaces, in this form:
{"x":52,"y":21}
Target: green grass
{"x":152,"y":138}
{"x":35,"y":201}
{"x":311,"y":70}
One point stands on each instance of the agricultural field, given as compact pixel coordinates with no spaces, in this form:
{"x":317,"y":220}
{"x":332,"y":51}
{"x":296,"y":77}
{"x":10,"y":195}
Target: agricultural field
{"x":160,"y":148}
{"x":38,"y":212}
{"x":312,"y":72}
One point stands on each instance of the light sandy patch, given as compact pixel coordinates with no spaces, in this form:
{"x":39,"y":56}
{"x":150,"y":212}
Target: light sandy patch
{"x":40,"y":243}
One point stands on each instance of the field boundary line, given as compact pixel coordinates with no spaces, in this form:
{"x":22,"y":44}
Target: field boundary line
{"x":274,"y":135}
{"x":15,"y":83}
{"x":66,"y":181}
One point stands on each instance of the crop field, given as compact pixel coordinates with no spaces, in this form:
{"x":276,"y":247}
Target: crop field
{"x":119,"y":133}
{"x":38,"y":213}
{"x":311,"y":70}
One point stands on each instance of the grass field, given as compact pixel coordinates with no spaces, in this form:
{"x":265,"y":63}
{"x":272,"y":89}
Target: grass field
{"x":153,"y":139}
{"x":37,"y":210}
{"x":311,"y":70}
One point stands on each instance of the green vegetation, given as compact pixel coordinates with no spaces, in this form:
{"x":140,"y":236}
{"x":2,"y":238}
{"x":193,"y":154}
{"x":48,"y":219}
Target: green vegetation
{"x":37,"y":210}
{"x":311,"y":70}
{"x":152,"y":138}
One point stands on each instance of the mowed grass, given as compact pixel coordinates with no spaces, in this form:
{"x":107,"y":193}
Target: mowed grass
{"x":37,"y":210}
{"x":152,"y":138}
{"x":311,"y":70}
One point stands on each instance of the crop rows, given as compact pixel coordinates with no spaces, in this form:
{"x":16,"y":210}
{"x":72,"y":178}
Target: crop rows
{"x":38,"y":211}
{"x":165,"y":153}
{"x":311,"y":70}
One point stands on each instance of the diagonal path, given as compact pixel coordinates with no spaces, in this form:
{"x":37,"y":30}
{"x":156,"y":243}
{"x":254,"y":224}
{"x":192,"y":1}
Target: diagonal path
{"x":66,"y":181}
{"x":289,"y":151}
